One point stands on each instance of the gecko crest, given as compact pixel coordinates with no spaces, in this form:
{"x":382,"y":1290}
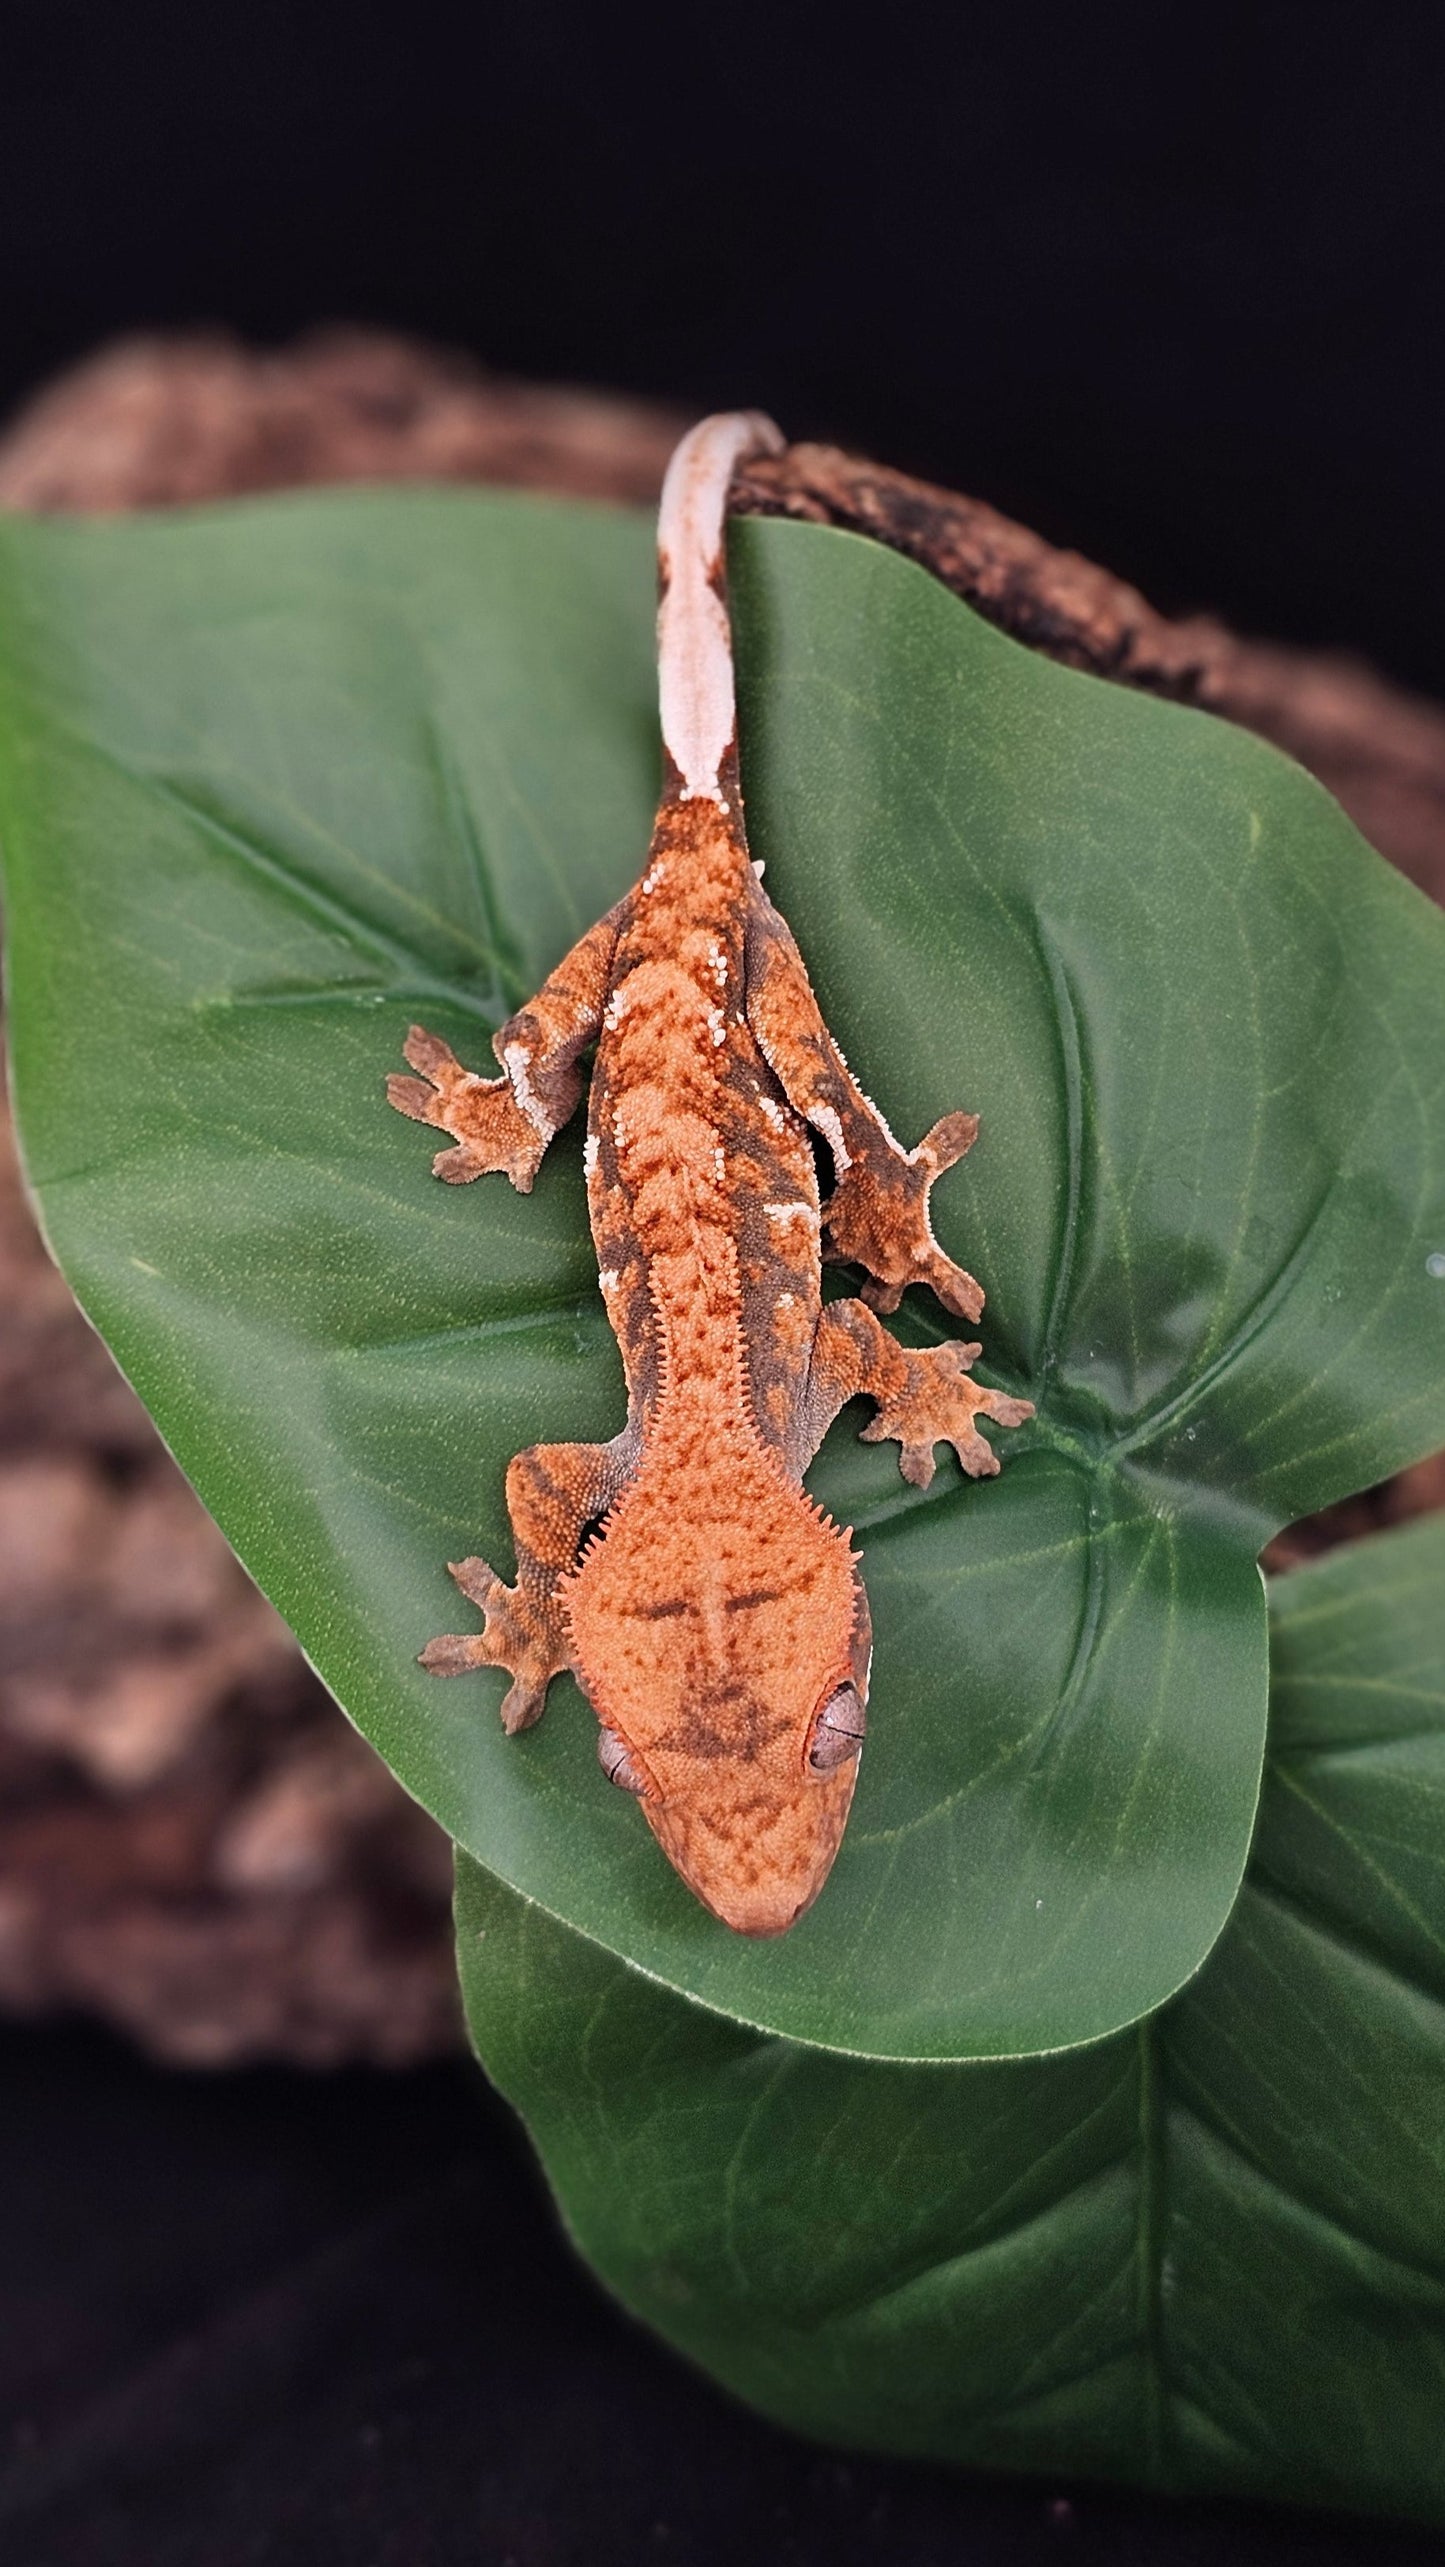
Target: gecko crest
{"x":711,"y":1611}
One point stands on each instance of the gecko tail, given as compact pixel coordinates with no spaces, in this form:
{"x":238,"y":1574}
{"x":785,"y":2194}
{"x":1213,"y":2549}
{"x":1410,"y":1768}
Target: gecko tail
{"x":694,"y":637}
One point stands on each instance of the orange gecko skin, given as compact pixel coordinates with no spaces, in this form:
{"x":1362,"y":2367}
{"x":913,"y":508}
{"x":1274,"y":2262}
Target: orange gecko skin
{"x":717,"y":1619}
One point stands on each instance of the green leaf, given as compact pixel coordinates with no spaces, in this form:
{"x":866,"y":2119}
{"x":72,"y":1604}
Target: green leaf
{"x":1205,"y":2254}
{"x":276,"y":779}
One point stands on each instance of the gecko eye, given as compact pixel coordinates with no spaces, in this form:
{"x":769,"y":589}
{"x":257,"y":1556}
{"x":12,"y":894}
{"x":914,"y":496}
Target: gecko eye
{"x":837,"y":1731}
{"x":617,"y":1765}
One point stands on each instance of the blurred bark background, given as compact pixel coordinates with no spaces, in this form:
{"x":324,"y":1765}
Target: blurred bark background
{"x":193,"y":1841}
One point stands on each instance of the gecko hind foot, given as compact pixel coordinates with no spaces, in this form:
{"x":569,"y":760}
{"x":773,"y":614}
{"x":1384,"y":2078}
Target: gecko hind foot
{"x":938,"y":1404}
{"x":878,"y":1218}
{"x":490,"y":1130}
{"x":519,"y":1635}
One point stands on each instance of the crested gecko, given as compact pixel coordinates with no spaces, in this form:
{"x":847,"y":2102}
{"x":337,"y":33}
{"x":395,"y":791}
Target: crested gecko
{"x":713,"y":1615}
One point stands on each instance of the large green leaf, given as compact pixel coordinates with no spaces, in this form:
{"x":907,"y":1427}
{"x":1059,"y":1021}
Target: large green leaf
{"x":1208,"y":2253}
{"x":277,"y":779}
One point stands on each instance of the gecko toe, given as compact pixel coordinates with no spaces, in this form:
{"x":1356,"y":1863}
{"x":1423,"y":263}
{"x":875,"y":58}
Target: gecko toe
{"x":456,"y":1653}
{"x":945,"y":1145}
{"x":916,"y":1463}
{"x":461,"y":1165}
{"x":522,"y":1704}
{"x":429,"y":1054}
{"x":1007,"y":1411}
{"x":915,"y":1458}
{"x":958,"y":1292}
{"x":882,"y":1297}
{"x":977,"y":1457}
{"x":410,"y":1096}
{"x":477,"y":1581}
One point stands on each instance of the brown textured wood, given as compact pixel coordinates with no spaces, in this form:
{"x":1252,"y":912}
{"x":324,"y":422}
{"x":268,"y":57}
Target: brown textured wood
{"x":192,"y":1842}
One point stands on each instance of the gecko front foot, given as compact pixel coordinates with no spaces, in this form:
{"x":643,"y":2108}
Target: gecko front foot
{"x":878,"y":1219}
{"x":521,"y":1635}
{"x":490,"y":1129}
{"x":938,"y":1405}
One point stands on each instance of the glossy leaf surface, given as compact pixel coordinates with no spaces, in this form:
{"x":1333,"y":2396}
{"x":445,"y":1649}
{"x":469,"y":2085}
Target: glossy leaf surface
{"x":275,"y":780}
{"x":1209,"y":2253}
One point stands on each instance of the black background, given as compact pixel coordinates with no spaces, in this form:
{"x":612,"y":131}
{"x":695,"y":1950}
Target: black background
{"x":267,"y":2321}
{"x":1167,"y":285}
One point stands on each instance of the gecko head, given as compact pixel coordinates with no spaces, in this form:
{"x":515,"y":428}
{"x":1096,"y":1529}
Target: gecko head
{"x":725,"y":1651}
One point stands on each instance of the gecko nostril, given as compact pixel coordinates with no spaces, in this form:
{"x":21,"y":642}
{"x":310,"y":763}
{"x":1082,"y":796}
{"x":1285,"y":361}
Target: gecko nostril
{"x":837,"y":1731}
{"x":617,"y":1764}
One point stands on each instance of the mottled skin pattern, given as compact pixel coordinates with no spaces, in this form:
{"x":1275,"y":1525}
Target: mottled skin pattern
{"x":717,"y":1619}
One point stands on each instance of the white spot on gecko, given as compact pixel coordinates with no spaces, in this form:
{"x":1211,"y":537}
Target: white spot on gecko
{"x":719,"y":1164}
{"x":656,"y":873}
{"x":606,"y":1279}
{"x":716,"y":1021}
{"x":719,"y":963}
{"x":790,"y":1212}
{"x":589,"y":1156}
{"x":769,"y":1107}
{"x":826,"y":1119}
{"x":517,"y":1060}
{"x":616,"y":1008}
